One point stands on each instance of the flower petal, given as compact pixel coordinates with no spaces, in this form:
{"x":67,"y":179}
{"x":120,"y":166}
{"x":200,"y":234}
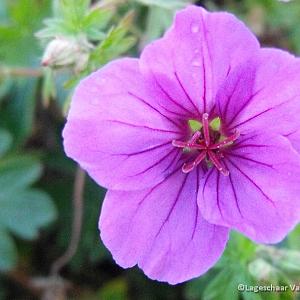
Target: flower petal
{"x":263,"y":94}
{"x":115,"y":132}
{"x":194,"y":57}
{"x":161,"y":230}
{"x":260,"y":197}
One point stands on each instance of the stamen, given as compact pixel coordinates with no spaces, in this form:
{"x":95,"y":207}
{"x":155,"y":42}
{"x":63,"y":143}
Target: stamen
{"x":188,"y":144}
{"x":214,"y":159}
{"x":188,"y":167}
{"x":179,"y":144}
{"x":206,"y":129}
{"x":199,"y":146}
{"x":194,"y":138}
{"x":206,"y":147}
{"x":199,"y":158}
{"x":226,"y":141}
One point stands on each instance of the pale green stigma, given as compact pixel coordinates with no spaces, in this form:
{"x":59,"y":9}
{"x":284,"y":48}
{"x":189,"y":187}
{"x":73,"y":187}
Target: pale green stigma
{"x":195,"y":125}
{"x":215,"y":124}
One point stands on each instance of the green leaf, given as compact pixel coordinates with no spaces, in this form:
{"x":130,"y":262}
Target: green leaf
{"x":158,"y":20}
{"x":75,"y":18}
{"x":18,"y":115}
{"x":72,"y":10}
{"x":116,"y":43}
{"x":95,"y":21}
{"x":25,"y":212}
{"x":194,"y":288}
{"x":293,"y":238}
{"x":17,"y":173}
{"x":239,"y":248}
{"x":23,"y":19}
{"x":5,"y":141}
{"x":224,"y":285}
{"x":114,"y":290}
{"x":8,"y":251}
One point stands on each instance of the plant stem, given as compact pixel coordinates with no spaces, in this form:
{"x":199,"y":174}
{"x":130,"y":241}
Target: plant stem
{"x":76,"y":225}
{"x":20,"y":72}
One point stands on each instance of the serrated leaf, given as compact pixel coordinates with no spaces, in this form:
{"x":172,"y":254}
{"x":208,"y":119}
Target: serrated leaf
{"x":96,"y":20}
{"x":18,"y":32}
{"x":8,"y":251}
{"x":73,"y":18}
{"x":116,"y":43}
{"x":23,"y":213}
{"x":158,"y":20}
{"x":18,"y":115}
{"x":17,"y":173}
{"x":72,"y":10}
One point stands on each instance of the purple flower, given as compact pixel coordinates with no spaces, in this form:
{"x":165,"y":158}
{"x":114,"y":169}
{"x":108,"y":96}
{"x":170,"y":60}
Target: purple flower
{"x":198,"y":136}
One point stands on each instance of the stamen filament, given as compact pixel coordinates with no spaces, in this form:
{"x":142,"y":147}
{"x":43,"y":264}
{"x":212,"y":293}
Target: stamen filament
{"x":194,"y":138}
{"x":188,"y":167}
{"x":206,"y":129}
{"x":199,"y":147}
{"x":199,"y":158}
{"x":179,"y":144}
{"x":226,"y":141}
{"x":214,"y":159}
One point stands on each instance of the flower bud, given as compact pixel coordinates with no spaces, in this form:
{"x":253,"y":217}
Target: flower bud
{"x":62,"y":52}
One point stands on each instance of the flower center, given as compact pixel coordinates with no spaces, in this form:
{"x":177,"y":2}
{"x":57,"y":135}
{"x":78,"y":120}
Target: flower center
{"x":209,"y":144}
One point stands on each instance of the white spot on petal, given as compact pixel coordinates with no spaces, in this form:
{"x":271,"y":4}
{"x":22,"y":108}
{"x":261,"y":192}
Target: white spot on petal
{"x":195,"y":28}
{"x":196,"y":63}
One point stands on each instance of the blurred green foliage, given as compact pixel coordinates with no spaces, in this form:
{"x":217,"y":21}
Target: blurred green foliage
{"x":37,"y":180}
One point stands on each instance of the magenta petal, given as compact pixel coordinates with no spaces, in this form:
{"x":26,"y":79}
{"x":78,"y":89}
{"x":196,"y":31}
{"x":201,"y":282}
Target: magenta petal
{"x":161,"y":230}
{"x":115,"y":132}
{"x":270,"y":100}
{"x":260,"y":197}
{"x":236,"y":92}
{"x":194,"y":57}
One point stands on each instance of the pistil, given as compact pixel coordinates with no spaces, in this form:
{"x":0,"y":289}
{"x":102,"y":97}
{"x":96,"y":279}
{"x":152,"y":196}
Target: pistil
{"x":211,"y":150}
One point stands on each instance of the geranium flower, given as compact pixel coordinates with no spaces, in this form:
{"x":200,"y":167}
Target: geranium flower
{"x":197,"y":137}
